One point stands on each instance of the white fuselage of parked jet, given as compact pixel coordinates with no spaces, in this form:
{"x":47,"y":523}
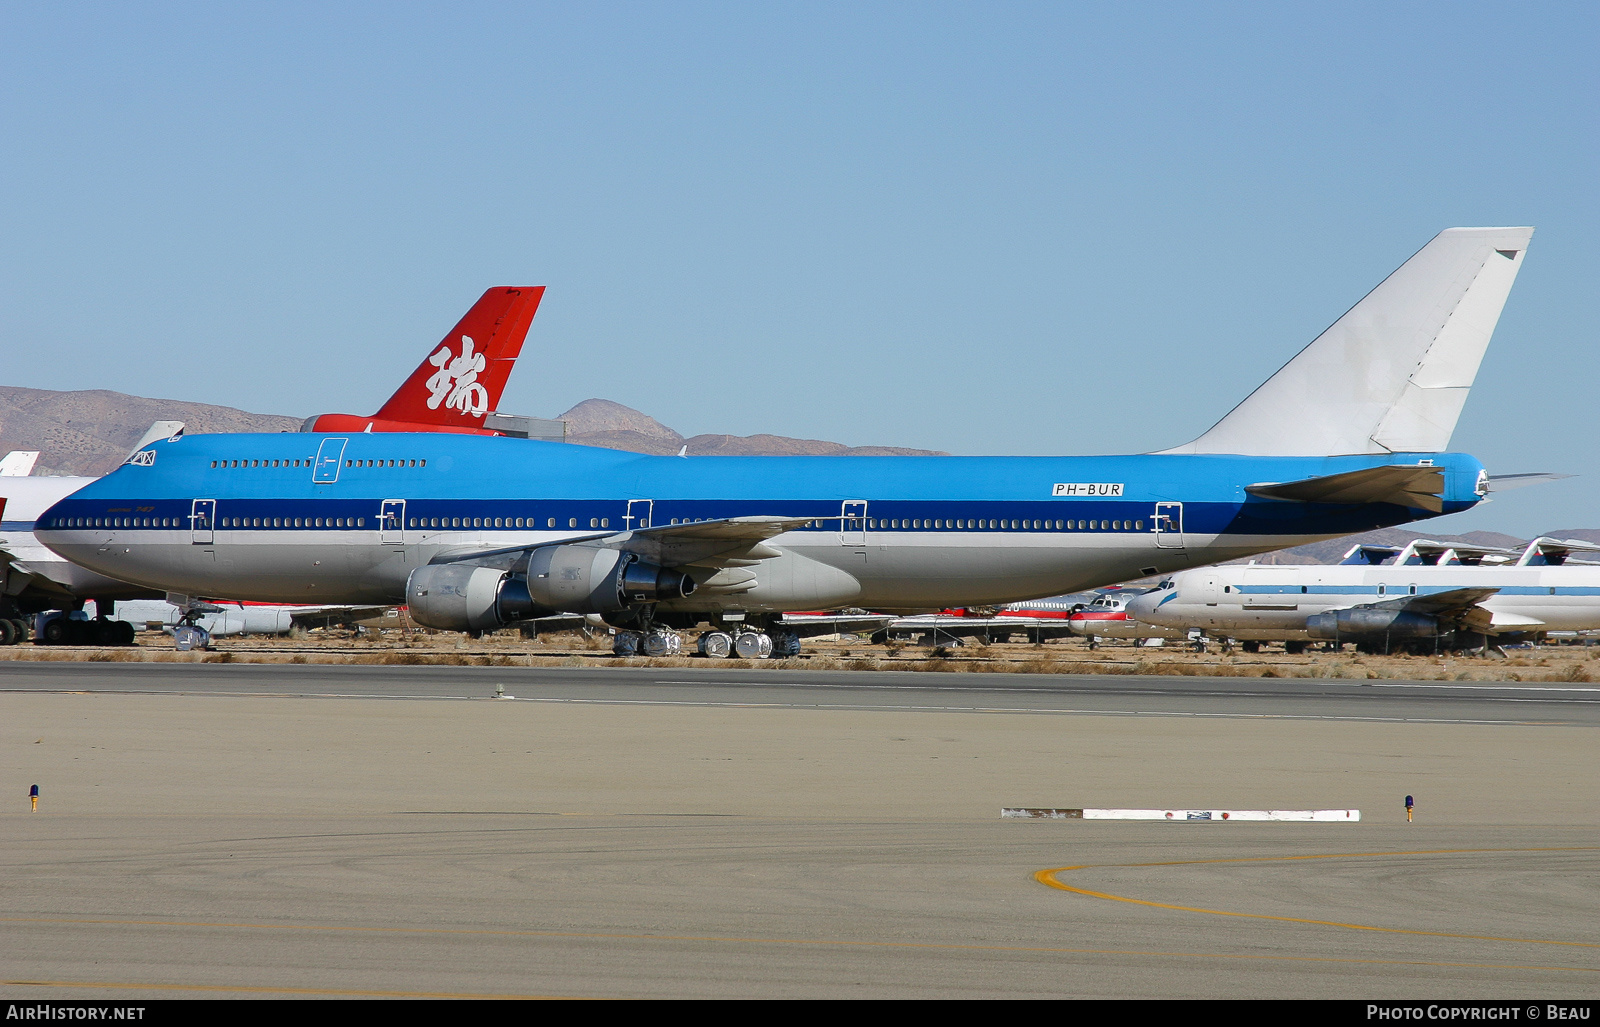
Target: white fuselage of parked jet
{"x":1269,"y":602}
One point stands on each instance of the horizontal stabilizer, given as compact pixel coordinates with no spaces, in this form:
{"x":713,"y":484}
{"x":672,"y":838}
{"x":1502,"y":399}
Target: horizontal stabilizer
{"x":1426,"y":552}
{"x":1391,"y":375}
{"x":1369,"y":556}
{"x":1412,"y":485}
{"x":1507,"y":482}
{"x":1554,"y":551}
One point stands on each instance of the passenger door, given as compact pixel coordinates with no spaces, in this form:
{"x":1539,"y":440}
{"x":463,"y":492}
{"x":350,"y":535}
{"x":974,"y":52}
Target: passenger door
{"x":203,"y":522}
{"x":1169,"y":525}
{"x":638,"y":515}
{"x":329,"y":456}
{"x":853,"y":523}
{"x":392,"y":521}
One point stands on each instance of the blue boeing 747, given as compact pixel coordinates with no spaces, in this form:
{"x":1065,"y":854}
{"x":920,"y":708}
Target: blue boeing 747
{"x":474,"y":533}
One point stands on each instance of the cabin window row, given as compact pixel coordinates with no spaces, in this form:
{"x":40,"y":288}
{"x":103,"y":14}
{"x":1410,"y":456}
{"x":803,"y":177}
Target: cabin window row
{"x":292,"y":522}
{"x":964,"y":524}
{"x":501,"y":522}
{"x":119,"y":522}
{"x":308,"y":463}
{"x":890,"y":524}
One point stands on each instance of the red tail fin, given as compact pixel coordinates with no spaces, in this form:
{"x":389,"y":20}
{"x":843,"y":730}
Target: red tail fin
{"x":463,"y":377}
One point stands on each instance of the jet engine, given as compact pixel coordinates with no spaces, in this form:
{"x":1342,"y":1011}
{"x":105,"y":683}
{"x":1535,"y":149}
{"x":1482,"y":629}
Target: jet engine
{"x":559,"y":579}
{"x":1359,"y":621}
{"x":589,"y":579}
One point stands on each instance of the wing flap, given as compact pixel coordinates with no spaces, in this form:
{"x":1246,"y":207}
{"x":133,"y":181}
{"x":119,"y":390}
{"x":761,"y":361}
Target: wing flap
{"x":1503,"y":621}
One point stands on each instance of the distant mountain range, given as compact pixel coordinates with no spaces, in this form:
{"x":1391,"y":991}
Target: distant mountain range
{"x":600,"y":422}
{"x":91,"y":432}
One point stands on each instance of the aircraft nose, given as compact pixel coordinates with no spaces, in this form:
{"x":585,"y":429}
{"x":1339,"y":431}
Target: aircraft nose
{"x":1143,"y":607}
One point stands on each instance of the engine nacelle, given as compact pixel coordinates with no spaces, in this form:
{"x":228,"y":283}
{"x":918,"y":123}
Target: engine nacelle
{"x":589,"y":579}
{"x":463,"y":597}
{"x":564,"y":579}
{"x":1350,"y":624}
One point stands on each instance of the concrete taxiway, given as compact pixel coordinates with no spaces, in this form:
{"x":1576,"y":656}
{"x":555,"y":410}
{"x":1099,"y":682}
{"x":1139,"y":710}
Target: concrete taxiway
{"x":284,"y":830}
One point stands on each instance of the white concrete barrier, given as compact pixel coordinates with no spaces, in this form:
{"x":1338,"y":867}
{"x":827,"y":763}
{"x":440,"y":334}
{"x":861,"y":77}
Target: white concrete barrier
{"x":1340,"y":816}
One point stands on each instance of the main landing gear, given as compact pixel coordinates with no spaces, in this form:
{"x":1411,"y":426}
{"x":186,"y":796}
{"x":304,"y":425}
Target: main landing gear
{"x":59,"y":629}
{"x":715,"y":644}
{"x":13,"y":631}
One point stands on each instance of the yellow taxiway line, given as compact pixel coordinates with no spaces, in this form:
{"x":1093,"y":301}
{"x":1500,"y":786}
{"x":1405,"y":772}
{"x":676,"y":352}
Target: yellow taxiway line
{"x":1049,"y":877}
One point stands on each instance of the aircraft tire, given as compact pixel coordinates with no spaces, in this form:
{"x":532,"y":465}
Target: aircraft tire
{"x":879,"y":638}
{"x":752,"y":645}
{"x":8,"y":632}
{"x":715,"y":645}
{"x":124,"y":633}
{"x":1250,"y":647}
{"x":785,"y":644}
{"x":662,"y":643}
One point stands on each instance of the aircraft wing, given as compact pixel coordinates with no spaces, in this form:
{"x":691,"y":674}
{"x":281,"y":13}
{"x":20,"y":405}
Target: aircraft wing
{"x":560,"y":622}
{"x":1459,"y":605}
{"x":320,"y":616}
{"x":951,"y":626}
{"x":1414,"y":485}
{"x":809,"y":625}
{"x":13,"y":578}
{"x":17,"y":575}
{"x":728,"y":542}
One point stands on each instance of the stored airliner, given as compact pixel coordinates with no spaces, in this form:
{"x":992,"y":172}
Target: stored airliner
{"x":1423,"y":596}
{"x":475,"y":532}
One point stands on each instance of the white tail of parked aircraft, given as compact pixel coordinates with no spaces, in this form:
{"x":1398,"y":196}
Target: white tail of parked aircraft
{"x":1392,"y":374}
{"x":18,"y":463}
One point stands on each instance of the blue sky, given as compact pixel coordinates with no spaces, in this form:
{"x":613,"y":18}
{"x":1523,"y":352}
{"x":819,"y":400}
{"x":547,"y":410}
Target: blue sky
{"x":982,"y":228}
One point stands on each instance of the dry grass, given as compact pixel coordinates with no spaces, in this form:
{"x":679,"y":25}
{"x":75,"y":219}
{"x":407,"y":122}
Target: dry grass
{"x":1566,"y":664}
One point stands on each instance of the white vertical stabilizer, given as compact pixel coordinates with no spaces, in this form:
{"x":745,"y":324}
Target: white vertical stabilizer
{"x":1391,"y":375}
{"x":18,"y":463}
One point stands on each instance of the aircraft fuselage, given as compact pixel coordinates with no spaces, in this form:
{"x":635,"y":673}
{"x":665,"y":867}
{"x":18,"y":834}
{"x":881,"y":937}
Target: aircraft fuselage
{"x":299,"y":518}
